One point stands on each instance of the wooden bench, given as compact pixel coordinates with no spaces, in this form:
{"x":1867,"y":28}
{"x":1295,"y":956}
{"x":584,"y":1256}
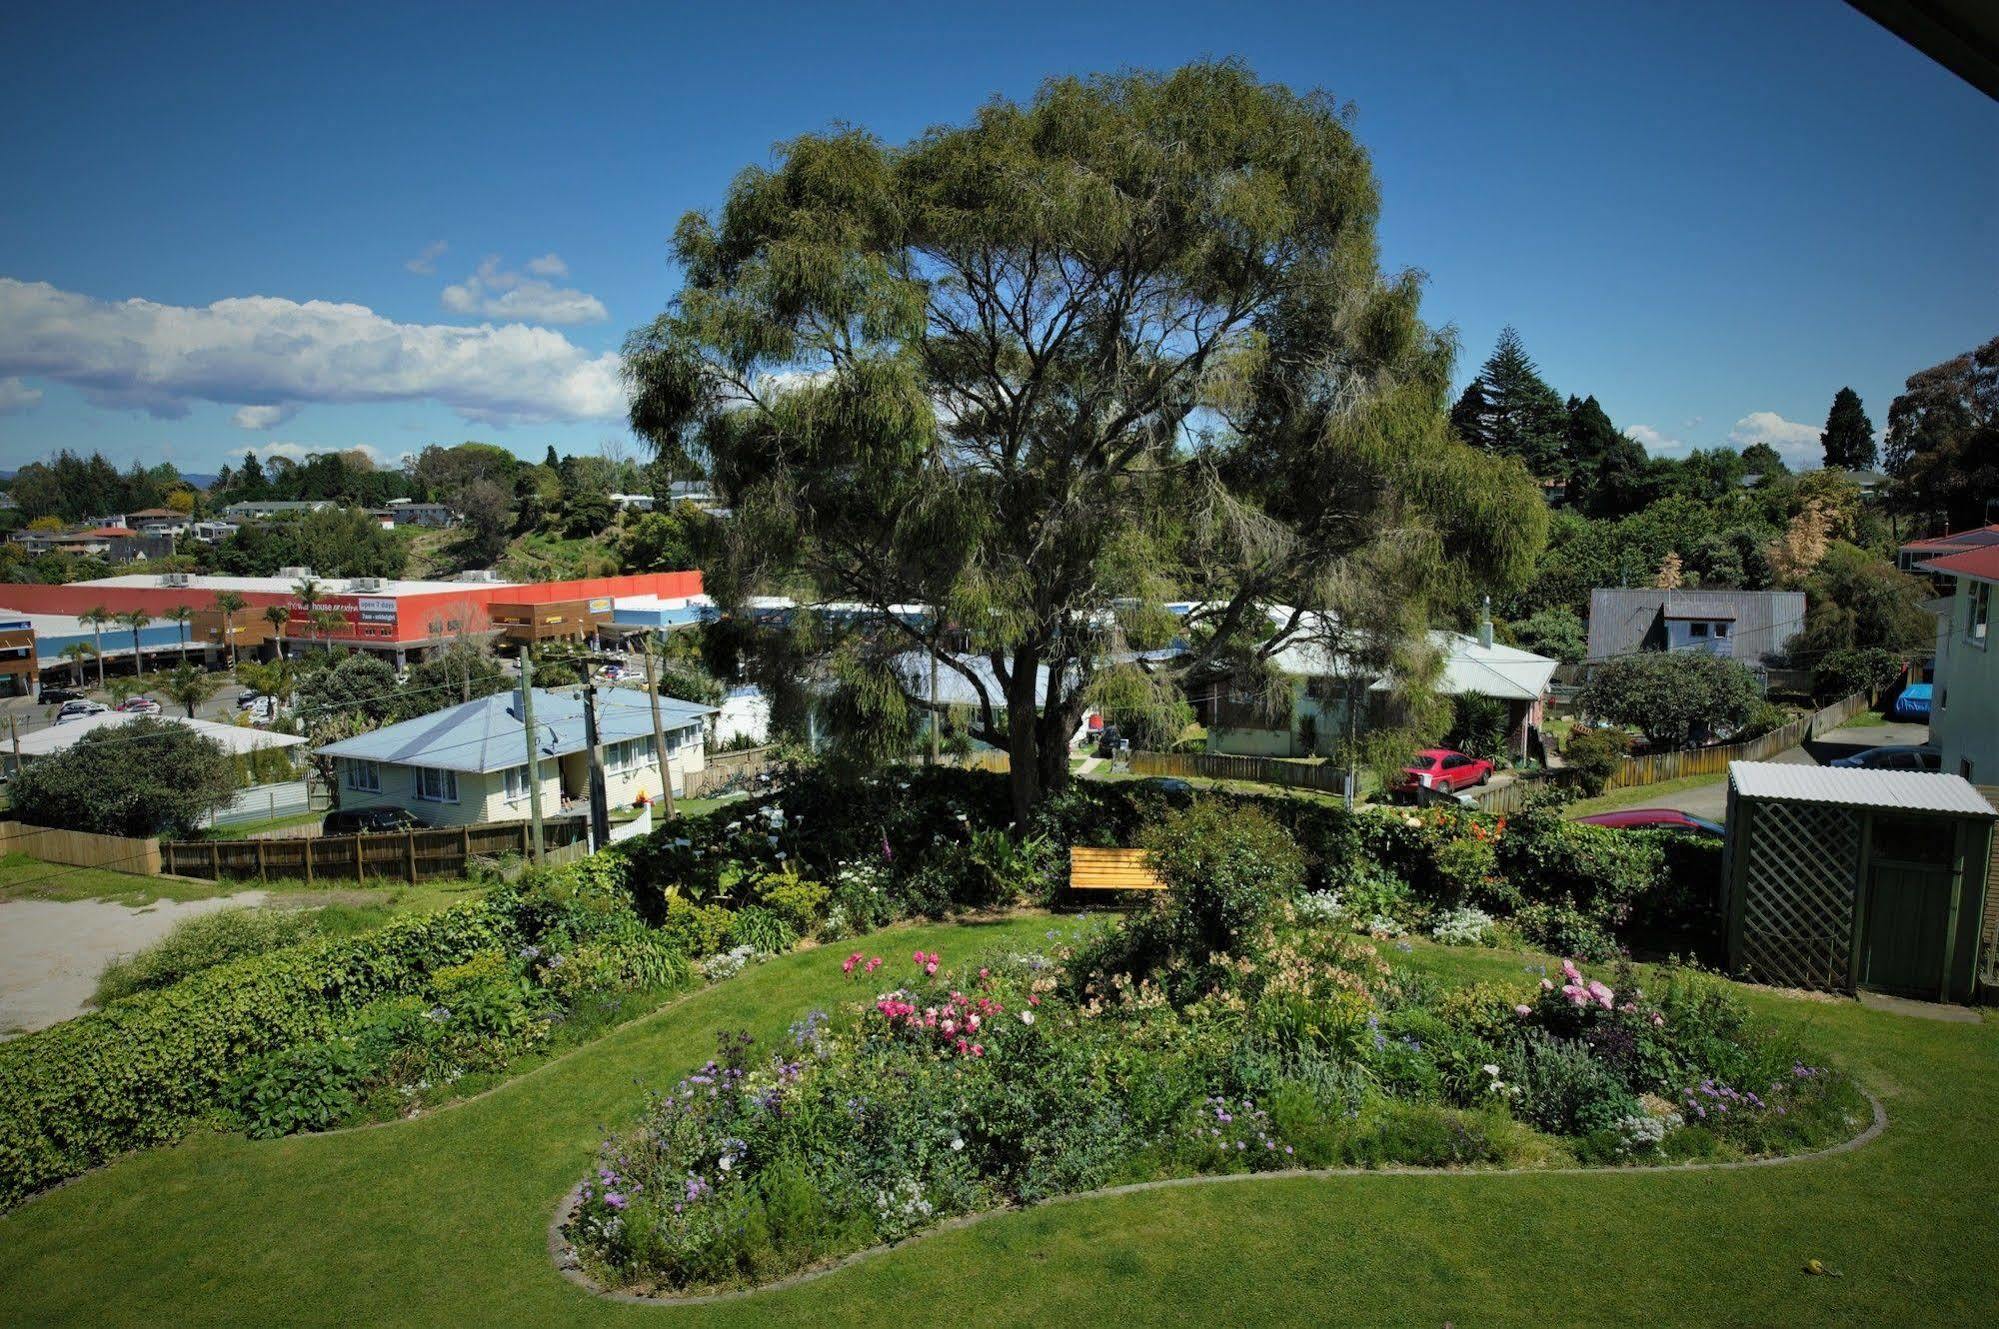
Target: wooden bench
{"x":1112,"y":870}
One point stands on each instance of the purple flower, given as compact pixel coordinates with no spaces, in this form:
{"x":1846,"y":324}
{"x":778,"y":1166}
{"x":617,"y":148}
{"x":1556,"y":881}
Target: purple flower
{"x":615,"y":1200}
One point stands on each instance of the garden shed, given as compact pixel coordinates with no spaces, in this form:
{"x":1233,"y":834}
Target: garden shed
{"x":1843,"y":879}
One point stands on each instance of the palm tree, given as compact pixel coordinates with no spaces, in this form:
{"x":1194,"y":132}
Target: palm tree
{"x":278,"y":617}
{"x":190,"y":685}
{"x":229,"y":604}
{"x":97,"y":616}
{"x":136,"y":620}
{"x":325,"y":621}
{"x":76,"y":653}
{"x":308,"y":592}
{"x":180,"y":616}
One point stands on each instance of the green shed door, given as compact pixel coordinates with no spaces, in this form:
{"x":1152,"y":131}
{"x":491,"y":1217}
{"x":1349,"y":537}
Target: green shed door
{"x":1908,"y":912}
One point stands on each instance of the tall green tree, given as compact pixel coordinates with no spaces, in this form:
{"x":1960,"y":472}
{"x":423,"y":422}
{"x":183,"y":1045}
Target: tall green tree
{"x":1605,"y":466}
{"x":1848,"y":439}
{"x":1943,"y":440}
{"x":1762,"y":459}
{"x":1510,"y":409}
{"x":1044,"y":370}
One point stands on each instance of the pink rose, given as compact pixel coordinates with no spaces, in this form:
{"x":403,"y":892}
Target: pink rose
{"x":1523,"y":1010}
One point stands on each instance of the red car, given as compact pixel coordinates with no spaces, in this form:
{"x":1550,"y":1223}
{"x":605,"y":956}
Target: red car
{"x":1441,"y":768}
{"x":1654,"y":819}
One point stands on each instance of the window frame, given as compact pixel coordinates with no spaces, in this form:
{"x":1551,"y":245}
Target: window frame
{"x":1978,"y":613}
{"x":355,"y":767}
{"x":445,"y":779}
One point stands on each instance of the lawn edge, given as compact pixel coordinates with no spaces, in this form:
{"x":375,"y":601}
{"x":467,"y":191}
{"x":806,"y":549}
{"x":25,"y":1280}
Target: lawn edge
{"x":563,"y":1257}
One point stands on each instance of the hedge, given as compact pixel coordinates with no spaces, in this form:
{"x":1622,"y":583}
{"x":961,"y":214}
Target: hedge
{"x":145,"y":1068}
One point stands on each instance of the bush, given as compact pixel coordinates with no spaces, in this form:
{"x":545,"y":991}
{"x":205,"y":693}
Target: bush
{"x":763,"y":930}
{"x":1478,"y":725}
{"x":1226,"y":868}
{"x":306,"y":1088}
{"x":1844,"y":672}
{"x":1673,"y":697}
{"x":143,"y":778}
{"x":1565,"y":930}
{"x":800,"y":903}
{"x":202,"y":942}
{"x":1564,"y":1089}
{"x":1595,"y":755}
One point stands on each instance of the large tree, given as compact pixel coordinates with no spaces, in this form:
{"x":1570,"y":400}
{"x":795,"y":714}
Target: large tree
{"x":1848,"y":439}
{"x":1943,"y":439}
{"x":1047,"y":369}
{"x":1510,"y":409}
{"x":1605,"y":466}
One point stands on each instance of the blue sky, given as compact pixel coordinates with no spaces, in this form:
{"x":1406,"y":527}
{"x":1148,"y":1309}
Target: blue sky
{"x":1710,"y":216}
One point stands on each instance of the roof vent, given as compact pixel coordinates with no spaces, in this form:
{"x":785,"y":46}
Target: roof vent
{"x":479,"y":574}
{"x":295,"y":574}
{"x":176,"y":579}
{"x":366,"y":584}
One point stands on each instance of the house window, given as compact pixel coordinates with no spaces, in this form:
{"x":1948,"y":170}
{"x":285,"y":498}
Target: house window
{"x":435,"y":786}
{"x":1721,"y":629}
{"x":1698,"y":629}
{"x":365,"y":776}
{"x":1980,"y":613}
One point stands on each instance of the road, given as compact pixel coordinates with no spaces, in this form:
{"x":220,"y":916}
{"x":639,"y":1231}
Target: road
{"x":1711,"y":800}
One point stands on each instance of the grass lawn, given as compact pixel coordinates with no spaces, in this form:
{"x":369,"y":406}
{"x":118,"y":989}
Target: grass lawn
{"x":249,"y":828}
{"x":1641,"y":795}
{"x":1866,"y":719}
{"x":442,"y":1220}
{"x":346,"y":908}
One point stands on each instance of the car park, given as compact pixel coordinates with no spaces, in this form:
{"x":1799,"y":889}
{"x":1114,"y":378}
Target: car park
{"x":139,"y":706}
{"x":1654,"y":819}
{"x":56,"y":696}
{"x":1443,"y":769}
{"x":1893,"y":757}
{"x":368,"y":821}
{"x":76,"y":710}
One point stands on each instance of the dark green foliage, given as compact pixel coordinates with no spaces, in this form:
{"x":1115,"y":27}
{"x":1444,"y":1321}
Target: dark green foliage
{"x":340,"y":542}
{"x":1762,"y":459}
{"x":1943,"y":440}
{"x":1848,"y":439}
{"x":1857,"y":601}
{"x":1675,"y":698}
{"x":1478,"y":725}
{"x":1510,"y":409}
{"x":1595,"y":755}
{"x":359,"y":683}
{"x":763,"y":930}
{"x":1226,"y":869}
{"x":1566,"y":1090}
{"x":663,"y":541}
{"x":462,"y":671}
{"x":71,"y":487}
{"x":1557,"y":632}
{"x":1843,"y":672}
{"x":146,"y":777}
{"x":305,"y":1088}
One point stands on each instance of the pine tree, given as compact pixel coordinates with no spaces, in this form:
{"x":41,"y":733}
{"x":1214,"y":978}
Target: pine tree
{"x":551,"y":461}
{"x":1604,"y":464}
{"x":1849,"y":435}
{"x":1514,"y":412}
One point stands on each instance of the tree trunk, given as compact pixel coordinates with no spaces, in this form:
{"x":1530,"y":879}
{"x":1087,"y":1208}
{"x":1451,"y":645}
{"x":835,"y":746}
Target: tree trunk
{"x":1023,"y":737}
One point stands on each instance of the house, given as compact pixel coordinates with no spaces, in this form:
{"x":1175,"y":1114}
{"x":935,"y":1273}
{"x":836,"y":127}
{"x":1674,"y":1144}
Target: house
{"x":214,"y":532}
{"x":1317,"y":719}
{"x":1964,"y":706}
{"x":1942,"y":546}
{"x":18,"y":666}
{"x":409,"y":512}
{"x":238,"y":740}
{"x":633,"y":502}
{"x":1750,"y":626}
{"x":468,"y":763}
{"x":159,"y":521}
{"x":263,"y":509}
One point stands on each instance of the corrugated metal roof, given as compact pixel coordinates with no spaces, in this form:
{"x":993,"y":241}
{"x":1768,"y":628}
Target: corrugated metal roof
{"x":485,"y":735}
{"x":1899,"y":791}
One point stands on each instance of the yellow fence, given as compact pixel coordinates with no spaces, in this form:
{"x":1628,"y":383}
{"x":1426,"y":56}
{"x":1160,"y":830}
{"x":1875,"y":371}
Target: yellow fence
{"x":413,"y":855}
{"x":80,"y":849}
{"x":1257,"y":770}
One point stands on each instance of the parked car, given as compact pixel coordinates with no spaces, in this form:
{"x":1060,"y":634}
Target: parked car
{"x":249,"y":699}
{"x":1894,"y":757}
{"x":1655,"y":819}
{"x":1165,"y":784}
{"x":55,"y":696}
{"x":263,"y":711}
{"x":139,"y":706}
{"x":611,"y":673}
{"x":1441,"y":768}
{"x":367,"y":821}
{"x":76,"y":710}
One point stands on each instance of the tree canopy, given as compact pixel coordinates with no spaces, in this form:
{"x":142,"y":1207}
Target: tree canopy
{"x":1048,"y":368}
{"x":1848,"y":439}
{"x":1943,"y":439}
{"x":1510,"y":409}
{"x":141,"y":778}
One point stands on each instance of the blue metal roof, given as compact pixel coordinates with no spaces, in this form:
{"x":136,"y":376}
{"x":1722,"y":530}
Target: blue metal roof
{"x":486,"y":735}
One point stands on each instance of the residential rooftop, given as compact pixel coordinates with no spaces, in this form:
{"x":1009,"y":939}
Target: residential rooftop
{"x":487,"y":734}
{"x":1857,"y":787}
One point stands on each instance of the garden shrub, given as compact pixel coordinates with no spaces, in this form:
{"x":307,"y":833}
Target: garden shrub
{"x":202,"y":942}
{"x":1225,"y":869}
{"x":309,"y":1087}
{"x":697,"y":929}
{"x":763,"y":931}
{"x":1594,"y":755}
{"x":800,"y":903}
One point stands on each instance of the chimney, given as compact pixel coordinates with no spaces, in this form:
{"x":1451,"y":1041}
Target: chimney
{"x":1485,"y":624}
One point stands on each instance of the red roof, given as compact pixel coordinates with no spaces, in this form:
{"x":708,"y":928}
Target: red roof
{"x":110,"y":533}
{"x":1980,"y":563}
{"x":1970,"y":537}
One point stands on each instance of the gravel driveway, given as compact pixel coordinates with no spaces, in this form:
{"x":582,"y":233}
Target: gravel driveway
{"x":51,"y":951}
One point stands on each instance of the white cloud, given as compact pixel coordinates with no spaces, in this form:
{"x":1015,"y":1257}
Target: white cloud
{"x":425,"y":263}
{"x":1797,"y":444}
{"x":1656,"y":442}
{"x":495,"y":292}
{"x":260,"y":349}
{"x":548,"y":265}
{"x":262,"y":417}
{"x":17,"y":396}
{"x":300,"y":451}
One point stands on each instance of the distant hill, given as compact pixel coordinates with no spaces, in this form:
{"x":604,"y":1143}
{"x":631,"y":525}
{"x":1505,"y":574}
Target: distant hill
{"x":200,"y":480}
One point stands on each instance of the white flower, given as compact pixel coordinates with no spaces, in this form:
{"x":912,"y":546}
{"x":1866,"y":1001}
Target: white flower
{"x":1027,"y":1017}
{"x":1491,"y":1070}
{"x":956,"y":1144}
{"x":725,"y":1162}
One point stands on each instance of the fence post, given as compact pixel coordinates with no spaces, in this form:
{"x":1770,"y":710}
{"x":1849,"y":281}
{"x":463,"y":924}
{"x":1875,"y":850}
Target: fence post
{"x":214,"y":862}
{"x":360,"y":875}
{"x":263,"y":873}
{"x":409,"y":852}
{"x":309,"y":842}
{"x":464,"y":847}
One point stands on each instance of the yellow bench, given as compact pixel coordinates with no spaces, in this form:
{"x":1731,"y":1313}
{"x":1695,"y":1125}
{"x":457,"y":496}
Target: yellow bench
{"x":1112,"y":870}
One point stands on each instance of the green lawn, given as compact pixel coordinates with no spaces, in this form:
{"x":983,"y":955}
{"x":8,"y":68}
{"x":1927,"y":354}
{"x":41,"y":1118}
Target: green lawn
{"x":442,"y":1220}
{"x":249,"y":828}
{"x":1640,"y":795}
{"x":347,"y":908}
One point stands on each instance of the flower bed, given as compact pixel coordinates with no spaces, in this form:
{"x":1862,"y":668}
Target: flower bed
{"x":1229,"y":1031}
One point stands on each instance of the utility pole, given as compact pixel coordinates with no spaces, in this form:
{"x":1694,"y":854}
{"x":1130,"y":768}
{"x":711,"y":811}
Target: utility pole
{"x":658,"y":729}
{"x":600,"y":808}
{"x":534,"y":754}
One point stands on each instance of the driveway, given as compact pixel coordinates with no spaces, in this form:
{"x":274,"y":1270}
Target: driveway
{"x":51,"y":951}
{"x":1711,"y":800}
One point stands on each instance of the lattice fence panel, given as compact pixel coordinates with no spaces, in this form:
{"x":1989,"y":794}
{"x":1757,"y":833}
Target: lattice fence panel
{"x":1797,"y":908}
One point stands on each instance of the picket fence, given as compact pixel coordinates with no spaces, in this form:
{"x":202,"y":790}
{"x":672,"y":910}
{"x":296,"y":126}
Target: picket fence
{"x":412,"y":855}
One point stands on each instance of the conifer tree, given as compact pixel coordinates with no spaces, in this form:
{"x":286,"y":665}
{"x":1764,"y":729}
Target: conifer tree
{"x":1848,"y":439}
{"x":1514,"y":412}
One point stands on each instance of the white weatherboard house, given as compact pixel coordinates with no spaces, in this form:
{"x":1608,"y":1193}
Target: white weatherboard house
{"x":1317,"y":718}
{"x":468,"y":763}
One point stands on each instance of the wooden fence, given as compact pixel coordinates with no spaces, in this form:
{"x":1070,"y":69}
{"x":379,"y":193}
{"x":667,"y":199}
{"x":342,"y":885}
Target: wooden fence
{"x":80,"y":849}
{"x":412,"y":855}
{"x":734,"y":769}
{"x":1322,"y":776}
